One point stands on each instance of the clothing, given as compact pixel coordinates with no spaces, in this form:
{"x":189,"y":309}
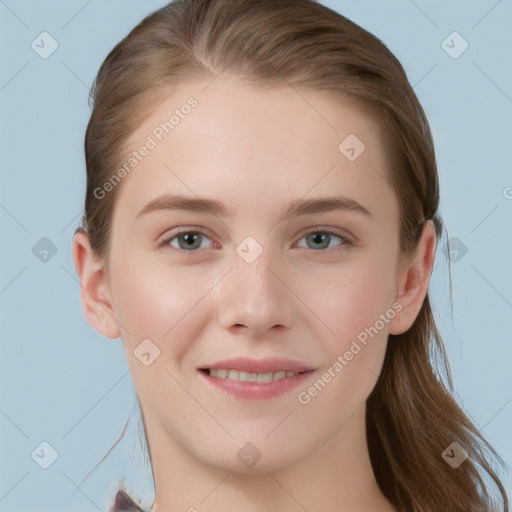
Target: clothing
{"x":124,"y":503}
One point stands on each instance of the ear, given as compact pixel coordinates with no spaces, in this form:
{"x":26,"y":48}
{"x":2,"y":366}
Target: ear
{"x":94,"y":289}
{"x":413,"y":279}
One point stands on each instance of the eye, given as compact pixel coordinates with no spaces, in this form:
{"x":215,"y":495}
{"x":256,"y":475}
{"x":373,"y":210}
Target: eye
{"x":186,"y":240}
{"x":321,"y":239}
{"x":190,"y":240}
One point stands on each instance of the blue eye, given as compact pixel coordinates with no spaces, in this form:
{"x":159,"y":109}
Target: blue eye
{"x":192,"y":240}
{"x":187,"y":240}
{"x":322,"y":239}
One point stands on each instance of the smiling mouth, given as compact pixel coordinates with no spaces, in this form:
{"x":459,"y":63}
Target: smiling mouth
{"x":230,"y":374}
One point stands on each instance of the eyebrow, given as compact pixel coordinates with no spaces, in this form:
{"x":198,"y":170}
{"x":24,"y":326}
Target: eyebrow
{"x":212,"y":206}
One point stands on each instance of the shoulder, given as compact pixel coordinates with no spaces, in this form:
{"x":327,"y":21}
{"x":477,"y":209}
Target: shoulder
{"x":123,"y":502}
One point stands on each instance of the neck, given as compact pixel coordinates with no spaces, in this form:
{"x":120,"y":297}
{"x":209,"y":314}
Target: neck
{"x":338,"y":476}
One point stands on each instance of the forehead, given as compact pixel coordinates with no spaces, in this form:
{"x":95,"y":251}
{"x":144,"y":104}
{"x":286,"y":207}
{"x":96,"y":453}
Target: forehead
{"x":255,"y":147}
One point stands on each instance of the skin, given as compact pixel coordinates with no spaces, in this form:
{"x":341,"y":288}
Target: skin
{"x":256,"y":151}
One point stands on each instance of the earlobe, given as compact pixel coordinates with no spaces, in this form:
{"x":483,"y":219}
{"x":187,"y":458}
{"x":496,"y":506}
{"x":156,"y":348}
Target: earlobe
{"x":413,"y":279}
{"x":94,"y":290}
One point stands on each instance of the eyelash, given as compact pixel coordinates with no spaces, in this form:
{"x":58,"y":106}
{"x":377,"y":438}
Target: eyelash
{"x":345,"y":241}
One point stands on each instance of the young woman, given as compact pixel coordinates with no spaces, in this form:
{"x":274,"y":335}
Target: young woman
{"x":260,"y":228}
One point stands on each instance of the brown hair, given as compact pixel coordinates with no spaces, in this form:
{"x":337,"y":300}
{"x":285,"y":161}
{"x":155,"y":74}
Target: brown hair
{"x":411,"y":414}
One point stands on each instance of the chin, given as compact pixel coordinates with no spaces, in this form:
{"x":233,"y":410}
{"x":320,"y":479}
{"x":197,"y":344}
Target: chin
{"x":252,"y":457}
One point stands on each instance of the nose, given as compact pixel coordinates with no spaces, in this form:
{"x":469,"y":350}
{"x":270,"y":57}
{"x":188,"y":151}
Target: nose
{"x":255,"y":297}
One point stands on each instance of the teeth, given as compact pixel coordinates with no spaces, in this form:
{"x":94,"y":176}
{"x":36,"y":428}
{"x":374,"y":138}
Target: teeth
{"x":250,"y":377}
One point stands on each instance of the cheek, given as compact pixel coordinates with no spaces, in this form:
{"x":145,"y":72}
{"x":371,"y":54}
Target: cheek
{"x":352,"y":298}
{"x":157,"y":302}
{"x":164,"y":305}
{"x":358,"y":308}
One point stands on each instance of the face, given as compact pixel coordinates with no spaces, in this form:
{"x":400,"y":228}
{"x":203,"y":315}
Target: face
{"x":289,"y":264}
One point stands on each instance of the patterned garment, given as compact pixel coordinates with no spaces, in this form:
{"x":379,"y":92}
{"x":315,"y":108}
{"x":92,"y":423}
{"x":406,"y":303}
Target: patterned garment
{"x":124,"y":503}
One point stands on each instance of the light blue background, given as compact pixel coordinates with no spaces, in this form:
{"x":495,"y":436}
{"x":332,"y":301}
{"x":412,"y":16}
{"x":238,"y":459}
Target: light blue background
{"x":63,"y":383}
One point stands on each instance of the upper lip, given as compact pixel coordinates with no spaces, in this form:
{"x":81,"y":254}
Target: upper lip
{"x":244,"y":364}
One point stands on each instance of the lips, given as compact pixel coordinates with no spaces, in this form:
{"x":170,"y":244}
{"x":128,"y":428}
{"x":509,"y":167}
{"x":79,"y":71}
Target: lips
{"x":256,"y":379}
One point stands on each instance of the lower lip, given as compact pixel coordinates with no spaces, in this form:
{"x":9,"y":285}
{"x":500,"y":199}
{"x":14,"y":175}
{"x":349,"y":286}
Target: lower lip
{"x":256,"y":390}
